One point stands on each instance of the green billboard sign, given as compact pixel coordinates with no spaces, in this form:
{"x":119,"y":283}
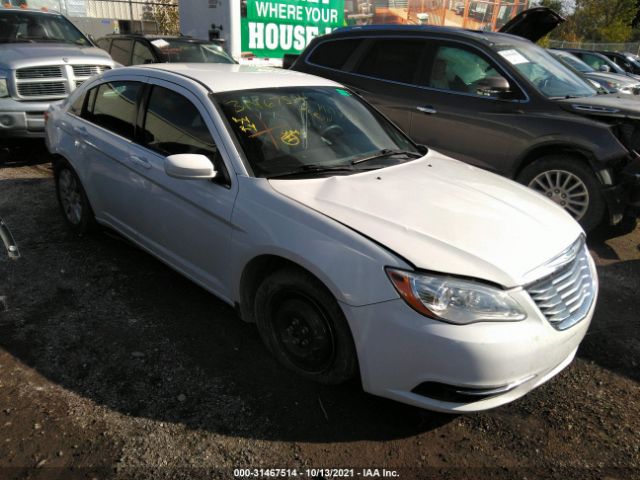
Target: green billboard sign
{"x":271,"y":28}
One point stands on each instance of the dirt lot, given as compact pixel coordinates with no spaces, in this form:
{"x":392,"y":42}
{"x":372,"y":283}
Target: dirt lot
{"x":114,"y":366}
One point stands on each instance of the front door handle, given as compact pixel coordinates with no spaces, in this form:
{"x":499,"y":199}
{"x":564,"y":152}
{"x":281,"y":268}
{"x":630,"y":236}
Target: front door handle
{"x":428,"y":109}
{"x":140,"y":161}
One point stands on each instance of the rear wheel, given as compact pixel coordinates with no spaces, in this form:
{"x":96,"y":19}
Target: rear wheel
{"x":73,"y":200}
{"x":569,"y":182}
{"x":302,"y":325}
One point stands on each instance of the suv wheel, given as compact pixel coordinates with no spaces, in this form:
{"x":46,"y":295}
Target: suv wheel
{"x":570,"y":183}
{"x":302,"y":325}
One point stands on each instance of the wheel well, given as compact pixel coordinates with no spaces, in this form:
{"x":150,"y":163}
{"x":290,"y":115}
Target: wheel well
{"x":252,"y":276}
{"x":543,"y":151}
{"x":57,"y":160}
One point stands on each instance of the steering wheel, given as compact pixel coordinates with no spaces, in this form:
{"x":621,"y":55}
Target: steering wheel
{"x":332,"y":132}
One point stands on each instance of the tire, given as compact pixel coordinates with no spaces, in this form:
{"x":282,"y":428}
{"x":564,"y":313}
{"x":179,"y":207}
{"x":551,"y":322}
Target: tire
{"x":302,"y":325}
{"x":568,"y":180}
{"x":72,"y":199}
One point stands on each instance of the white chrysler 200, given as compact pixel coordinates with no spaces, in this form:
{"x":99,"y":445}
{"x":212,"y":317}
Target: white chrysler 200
{"x":355,"y":251}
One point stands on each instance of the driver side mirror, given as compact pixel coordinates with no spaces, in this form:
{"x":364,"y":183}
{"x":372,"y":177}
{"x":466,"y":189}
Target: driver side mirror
{"x":605,"y":68}
{"x":494,"y":87}
{"x":189,"y":166}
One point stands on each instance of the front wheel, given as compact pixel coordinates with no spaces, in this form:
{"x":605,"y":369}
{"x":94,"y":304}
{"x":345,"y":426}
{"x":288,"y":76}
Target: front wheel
{"x":302,"y":325}
{"x":569,"y":182}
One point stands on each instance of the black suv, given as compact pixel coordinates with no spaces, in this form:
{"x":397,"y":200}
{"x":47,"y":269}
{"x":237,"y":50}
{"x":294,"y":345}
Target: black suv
{"x":136,"y":49}
{"x":499,"y":102}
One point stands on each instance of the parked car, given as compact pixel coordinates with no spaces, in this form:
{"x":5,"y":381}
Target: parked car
{"x":610,"y":82}
{"x":600,"y":62}
{"x":627,"y":61}
{"x":353,"y":249}
{"x":499,"y":102}
{"x":43,"y":58}
{"x":137,"y":49}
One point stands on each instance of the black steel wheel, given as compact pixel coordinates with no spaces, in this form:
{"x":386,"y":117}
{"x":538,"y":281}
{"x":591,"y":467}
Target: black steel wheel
{"x":302,"y":325}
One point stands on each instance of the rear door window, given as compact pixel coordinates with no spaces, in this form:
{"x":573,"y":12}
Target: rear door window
{"x":334,"y":54}
{"x":113,"y":106}
{"x":121,"y":51}
{"x":393,"y":59}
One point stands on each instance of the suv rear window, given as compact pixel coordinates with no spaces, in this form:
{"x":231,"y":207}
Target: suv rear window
{"x":393,"y":59}
{"x":333,"y":54}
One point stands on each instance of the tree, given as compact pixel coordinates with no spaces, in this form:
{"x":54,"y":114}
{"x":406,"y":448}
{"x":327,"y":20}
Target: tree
{"x":605,"y":20}
{"x":165,"y":14}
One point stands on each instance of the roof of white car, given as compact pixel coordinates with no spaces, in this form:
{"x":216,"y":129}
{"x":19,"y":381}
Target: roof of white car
{"x":221,"y":77}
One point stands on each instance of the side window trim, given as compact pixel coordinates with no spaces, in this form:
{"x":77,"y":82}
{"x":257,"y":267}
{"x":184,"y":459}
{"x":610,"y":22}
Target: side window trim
{"x":429,"y":38}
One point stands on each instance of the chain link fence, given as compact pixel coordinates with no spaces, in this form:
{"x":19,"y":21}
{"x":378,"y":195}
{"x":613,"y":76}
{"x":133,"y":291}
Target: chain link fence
{"x":607,"y":47}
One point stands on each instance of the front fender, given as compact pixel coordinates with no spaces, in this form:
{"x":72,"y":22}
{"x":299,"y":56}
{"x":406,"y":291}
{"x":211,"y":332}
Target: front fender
{"x":350,"y":265}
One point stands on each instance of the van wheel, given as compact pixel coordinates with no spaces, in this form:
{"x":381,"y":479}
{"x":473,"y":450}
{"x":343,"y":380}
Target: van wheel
{"x":72,"y":198}
{"x":570,"y":183}
{"x":302,"y":325}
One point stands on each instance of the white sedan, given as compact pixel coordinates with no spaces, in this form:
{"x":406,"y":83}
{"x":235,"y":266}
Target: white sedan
{"x":355,"y":251}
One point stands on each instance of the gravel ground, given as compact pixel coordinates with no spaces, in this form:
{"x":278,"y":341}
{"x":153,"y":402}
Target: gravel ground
{"x":113,"y":366}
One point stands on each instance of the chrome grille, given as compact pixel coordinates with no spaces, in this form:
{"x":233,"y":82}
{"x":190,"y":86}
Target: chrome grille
{"x":88,"y":70}
{"x":565,"y":296}
{"x":30,"y":73}
{"x":42,"y":89}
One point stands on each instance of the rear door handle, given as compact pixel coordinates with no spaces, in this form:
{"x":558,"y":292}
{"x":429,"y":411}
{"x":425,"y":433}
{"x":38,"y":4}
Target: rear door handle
{"x":140,"y":161}
{"x":428,"y":109}
{"x":81,"y":133}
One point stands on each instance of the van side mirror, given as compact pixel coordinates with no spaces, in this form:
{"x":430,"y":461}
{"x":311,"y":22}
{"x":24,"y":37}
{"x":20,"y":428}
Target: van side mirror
{"x":494,"y":87}
{"x":189,"y":166}
{"x":605,"y":68}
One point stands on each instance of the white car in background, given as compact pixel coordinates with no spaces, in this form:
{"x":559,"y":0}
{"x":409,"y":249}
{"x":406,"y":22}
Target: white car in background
{"x":354,"y":251}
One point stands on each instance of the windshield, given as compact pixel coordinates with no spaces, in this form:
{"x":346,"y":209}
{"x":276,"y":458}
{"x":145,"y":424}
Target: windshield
{"x":572,"y":61}
{"x":175,"y":50}
{"x":310,"y":129}
{"x":545,"y":73}
{"x":34,"y":27}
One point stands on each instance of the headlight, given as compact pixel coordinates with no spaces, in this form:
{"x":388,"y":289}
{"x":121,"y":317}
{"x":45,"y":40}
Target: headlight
{"x":455,"y":300}
{"x":4,"y":90}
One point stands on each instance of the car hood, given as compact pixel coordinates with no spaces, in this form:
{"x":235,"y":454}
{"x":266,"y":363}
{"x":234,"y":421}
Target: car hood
{"x":613,"y":105}
{"x":443,"y":215}
{"x":611,"y":77}
{"x":17,"y":55}
{"x":533,"y":24}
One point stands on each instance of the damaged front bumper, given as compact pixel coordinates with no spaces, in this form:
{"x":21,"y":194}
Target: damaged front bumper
{"x":623,"y":198}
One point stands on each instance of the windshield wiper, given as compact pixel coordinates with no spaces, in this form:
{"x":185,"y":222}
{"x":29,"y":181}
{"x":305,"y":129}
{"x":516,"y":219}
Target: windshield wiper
{"x":316,"y":169}
{"x":386,"y":152}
